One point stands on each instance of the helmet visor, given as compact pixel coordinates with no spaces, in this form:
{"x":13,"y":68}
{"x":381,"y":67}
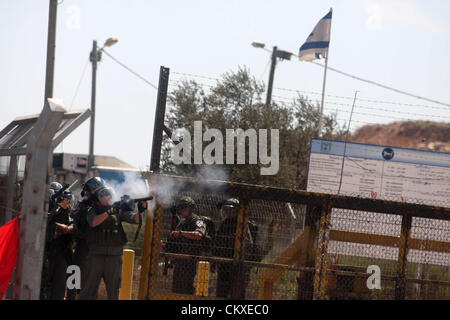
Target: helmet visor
{"x":105,"y":196}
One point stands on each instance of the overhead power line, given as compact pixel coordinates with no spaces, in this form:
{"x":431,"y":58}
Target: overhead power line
{"x":316,"y":63}
{"x":366,"y":99}
{"x":130,"y":70}
{"x":382,"y":85}
{"x":78,"y":85}
{"x":343,"y":97}
{"x":370,"y":108}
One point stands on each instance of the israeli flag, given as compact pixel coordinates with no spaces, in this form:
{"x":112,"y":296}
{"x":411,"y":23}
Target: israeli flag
{"x":318,"y":41}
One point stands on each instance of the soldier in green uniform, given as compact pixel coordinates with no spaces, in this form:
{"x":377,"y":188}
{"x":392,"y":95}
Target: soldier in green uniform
{"x":186,"y":239}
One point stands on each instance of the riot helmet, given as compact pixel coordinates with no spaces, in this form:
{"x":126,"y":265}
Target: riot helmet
{"x":229,"y":207}
{"x":92,"y":185}
{"x":65,"y":195}
{"x":102,"y":199}
{"x":55,"y":187}
{"x":185,"y":202}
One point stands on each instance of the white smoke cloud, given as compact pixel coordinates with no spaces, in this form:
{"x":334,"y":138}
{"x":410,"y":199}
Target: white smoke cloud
{"x":133,"y":185}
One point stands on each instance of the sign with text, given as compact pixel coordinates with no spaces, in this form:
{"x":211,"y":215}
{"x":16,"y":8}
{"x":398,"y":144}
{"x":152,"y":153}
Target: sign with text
{"x":380,"y":172}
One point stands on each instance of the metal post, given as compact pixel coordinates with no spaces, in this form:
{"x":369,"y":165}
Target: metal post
{"x":127,"y":275}
{"x":34,"y":211}
{"x":94,"y":58}
{"x":239,"y":249}
{"x":319,"y":126}
{"x":49,"y":74}
{"x":308,"y":258}
{"x":146,"y":253}
{"x":271,"y":76}
{"x":147,"y":245}
{"x":159,"y":118}
{"x":12,"y":185}
{"x":320,"y":276}
{"x":155,"y":250}
{"x":400,"y":286}
{"x":319,"y":129}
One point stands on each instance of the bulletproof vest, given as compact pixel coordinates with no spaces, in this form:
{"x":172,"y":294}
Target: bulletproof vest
{"x":224,"y":240}
{"x":110,"y":233}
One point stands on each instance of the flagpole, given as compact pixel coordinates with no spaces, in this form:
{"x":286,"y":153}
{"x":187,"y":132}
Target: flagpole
{"x":319,"y":126}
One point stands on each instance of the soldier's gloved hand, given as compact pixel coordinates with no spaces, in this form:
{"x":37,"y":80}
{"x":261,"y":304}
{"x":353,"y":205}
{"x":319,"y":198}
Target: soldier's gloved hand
{"x":142,"y":206}
{"x":112,"y":210}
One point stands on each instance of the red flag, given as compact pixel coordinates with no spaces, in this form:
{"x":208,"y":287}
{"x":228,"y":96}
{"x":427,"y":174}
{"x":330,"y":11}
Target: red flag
{"x":9,"y":244}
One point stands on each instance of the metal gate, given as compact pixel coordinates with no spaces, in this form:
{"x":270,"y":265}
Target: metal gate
{"x":312,"y":245}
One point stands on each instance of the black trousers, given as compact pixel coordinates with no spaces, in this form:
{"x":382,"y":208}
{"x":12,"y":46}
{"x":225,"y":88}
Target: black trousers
{"x":228,"y":281}
{"x":97,"y":267}
{"x":79,"y":258}
{"x":54,"y":278}
{"x":184,"y":272}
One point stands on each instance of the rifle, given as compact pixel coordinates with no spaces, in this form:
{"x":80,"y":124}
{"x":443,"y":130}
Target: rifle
{"x":126,"y":203}
{"x":60,"y":192}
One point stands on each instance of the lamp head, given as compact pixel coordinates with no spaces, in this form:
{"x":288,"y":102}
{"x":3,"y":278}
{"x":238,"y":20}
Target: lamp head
{"x":110,"y":42}
{"x":258,"y":44}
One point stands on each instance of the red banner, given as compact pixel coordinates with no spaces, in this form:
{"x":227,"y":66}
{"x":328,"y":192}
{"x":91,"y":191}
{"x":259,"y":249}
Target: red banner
{"x":9,"y":244}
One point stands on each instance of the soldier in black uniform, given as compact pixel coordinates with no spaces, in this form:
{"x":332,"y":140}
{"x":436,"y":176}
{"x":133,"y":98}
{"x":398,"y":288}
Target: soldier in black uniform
{"x":80,"y":228}
{"x":186,"y":239}
{"x":58,"y":246}
{"x":106,"y":239}
{"x":223,"y":246}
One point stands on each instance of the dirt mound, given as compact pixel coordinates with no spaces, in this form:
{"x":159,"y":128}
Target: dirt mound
{"x":424,"y":135}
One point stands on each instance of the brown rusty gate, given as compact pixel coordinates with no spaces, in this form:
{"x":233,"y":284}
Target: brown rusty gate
{"x":313,"y":245}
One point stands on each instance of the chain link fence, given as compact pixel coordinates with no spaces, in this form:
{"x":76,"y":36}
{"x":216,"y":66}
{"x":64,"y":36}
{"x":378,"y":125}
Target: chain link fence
{"x":287,"y":244}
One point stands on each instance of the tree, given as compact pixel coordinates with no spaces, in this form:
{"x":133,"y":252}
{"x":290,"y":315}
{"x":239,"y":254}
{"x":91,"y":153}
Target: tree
{"x":236,"y":101}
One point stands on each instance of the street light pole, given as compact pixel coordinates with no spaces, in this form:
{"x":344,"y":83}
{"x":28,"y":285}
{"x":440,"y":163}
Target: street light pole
{"x":51,"y":38}
{"x":283,"y":55}
{"x":95,"y":57}
{"x":271,"y":76}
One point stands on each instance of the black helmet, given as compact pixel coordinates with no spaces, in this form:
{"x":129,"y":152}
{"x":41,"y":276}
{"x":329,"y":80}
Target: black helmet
{"x":65,"y":195}
{"x":229,"y":203}
{"x":92,"y":185}
{"x":186,"y":202}
{"x":55,"y":187}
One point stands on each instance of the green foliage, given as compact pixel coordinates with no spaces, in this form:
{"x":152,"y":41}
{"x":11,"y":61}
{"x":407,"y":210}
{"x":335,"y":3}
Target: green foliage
{"x":236,"y":101}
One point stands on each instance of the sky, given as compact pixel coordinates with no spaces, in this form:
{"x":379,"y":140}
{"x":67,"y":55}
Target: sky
{"x":402,"y":44}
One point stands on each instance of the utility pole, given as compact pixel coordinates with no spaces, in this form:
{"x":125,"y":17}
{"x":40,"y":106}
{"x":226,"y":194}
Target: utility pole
{"x":271,"y":76}
{"x":51,"y":38}
{"x":94,"y":57}
{"x":159,"y":118}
